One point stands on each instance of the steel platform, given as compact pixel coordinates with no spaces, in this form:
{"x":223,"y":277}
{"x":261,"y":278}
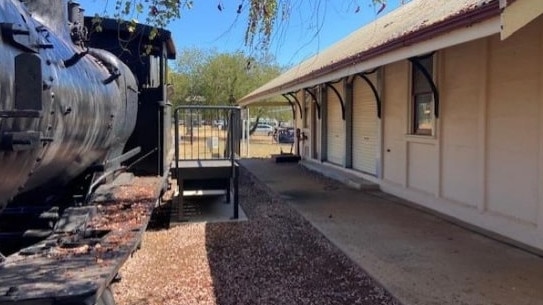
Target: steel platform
{"x":201,"y":176}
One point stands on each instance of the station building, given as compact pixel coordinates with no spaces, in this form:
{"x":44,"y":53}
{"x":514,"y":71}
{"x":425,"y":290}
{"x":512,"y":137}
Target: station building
{"x":439,"y":102}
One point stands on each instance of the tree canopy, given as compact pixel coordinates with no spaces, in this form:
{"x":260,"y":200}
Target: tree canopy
{"x":206,"y":77}
{"x":218,"y":78}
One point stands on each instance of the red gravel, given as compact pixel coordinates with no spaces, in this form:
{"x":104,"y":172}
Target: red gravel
{"x":276,"y":257}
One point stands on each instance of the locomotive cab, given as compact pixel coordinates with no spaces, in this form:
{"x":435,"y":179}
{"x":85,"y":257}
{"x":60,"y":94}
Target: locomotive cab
{"x":147,"y":59}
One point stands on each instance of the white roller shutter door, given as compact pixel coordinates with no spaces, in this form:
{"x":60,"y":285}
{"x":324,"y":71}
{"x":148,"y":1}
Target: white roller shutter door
{"x":336,"y":129}
{"x":365,"y":126}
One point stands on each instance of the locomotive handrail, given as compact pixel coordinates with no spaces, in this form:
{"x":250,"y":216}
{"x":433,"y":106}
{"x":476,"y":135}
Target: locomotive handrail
{"x":99,"y":181}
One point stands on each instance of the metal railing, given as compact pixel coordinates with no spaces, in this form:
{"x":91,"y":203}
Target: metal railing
{"x":210,"y":134}
{"x":207,"y":132}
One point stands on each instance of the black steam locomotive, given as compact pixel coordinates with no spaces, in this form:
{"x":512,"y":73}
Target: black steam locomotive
{"x":77,"y":108}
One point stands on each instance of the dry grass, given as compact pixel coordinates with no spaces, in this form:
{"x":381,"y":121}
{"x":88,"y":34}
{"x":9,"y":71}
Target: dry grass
{"x":201,"y":144}
{"x":261,"y":146}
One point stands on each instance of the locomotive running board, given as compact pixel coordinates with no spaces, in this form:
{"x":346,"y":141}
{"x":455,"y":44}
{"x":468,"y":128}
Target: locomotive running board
{"x":77,"y":263}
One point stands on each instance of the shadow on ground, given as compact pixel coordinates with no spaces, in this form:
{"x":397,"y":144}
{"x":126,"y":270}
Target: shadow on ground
{"x":276,"y":257}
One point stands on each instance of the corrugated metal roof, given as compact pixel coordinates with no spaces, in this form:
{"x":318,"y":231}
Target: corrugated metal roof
{"x":415,"y":16}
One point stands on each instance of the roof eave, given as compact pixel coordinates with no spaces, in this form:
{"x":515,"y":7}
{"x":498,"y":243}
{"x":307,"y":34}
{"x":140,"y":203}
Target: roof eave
{"x":468,"y":19}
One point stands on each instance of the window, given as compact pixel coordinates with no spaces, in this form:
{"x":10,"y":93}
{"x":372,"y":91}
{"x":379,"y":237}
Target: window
{"x":422,"y":96}
{"x":153,"y":78}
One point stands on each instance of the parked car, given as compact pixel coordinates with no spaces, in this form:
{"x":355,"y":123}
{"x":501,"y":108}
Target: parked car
{"x":285,"y":135}
{"x":264,"y":129}
{"x":218,"y":123}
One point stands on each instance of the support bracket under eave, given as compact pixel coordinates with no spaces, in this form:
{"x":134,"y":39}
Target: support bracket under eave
{"x":373,"y":89}
{"x":315,"y":100}
{"x":329,"y":85}
{"x":428,"y":77}
{"x":291,"y":105}
{"x":293,"y":95}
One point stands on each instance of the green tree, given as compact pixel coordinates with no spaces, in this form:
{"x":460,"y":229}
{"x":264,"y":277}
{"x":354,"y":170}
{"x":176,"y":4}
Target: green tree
{"x":212,"y":78}
{"x":219,"y":78}
{"x":187,"y":74}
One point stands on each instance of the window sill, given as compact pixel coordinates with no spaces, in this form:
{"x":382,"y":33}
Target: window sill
{"x":421,"y":138}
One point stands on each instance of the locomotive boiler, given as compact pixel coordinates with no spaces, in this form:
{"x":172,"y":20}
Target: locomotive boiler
{"x":77,"y":109}
{"x":63,"y":106}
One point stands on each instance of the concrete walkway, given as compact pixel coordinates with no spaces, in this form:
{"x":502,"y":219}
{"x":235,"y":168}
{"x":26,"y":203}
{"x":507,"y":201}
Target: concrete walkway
{"x":418,"y":257}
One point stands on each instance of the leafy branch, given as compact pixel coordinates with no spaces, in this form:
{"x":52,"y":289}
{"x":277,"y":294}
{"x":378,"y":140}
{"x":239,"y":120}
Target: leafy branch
{"x":262,"y":15}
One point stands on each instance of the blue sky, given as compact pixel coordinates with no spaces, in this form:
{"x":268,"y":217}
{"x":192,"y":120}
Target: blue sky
{"x":308,"y":30}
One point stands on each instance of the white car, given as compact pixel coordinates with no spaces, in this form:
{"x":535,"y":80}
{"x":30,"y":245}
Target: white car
{"x":218,"y":123}
{"x":264,"y":129}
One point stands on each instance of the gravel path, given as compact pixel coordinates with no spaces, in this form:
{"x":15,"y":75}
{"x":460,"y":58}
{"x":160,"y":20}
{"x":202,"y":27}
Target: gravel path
{"x":276,"y":257}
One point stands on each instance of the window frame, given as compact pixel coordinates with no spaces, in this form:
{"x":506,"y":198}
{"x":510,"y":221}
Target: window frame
{"x":418,"y":96}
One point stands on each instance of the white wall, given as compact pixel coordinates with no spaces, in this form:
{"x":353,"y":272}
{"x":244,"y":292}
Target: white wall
{"x":395,"y":92}
{"x":513,"y":124}
{"x":462,"y":86}
{"x":485,"y":165}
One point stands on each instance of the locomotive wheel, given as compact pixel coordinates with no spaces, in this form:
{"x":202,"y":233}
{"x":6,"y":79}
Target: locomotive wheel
{"x":106,"y":298}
